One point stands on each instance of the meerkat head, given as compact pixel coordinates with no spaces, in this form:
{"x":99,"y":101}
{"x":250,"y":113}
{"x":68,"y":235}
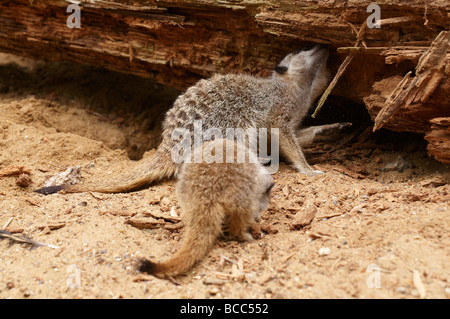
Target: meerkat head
{"x":306,"y":68}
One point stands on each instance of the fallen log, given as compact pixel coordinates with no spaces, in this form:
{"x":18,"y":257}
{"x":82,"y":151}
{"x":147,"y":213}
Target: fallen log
{"x":439,"y":139}
{"x":417,"y":89}
{"x":177,"y":42}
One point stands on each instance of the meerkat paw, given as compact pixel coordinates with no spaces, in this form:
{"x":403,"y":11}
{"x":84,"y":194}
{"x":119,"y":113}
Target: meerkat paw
{"x":246,"y":237}
{"x":331,"y":129}
{"x":315,"y":172}
{"x":309,"y":171}
{"x":338,"y":126}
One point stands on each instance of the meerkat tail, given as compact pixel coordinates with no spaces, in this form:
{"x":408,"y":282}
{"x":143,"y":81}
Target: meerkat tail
{"x":155,"y":168}
{"x":197,"y":242}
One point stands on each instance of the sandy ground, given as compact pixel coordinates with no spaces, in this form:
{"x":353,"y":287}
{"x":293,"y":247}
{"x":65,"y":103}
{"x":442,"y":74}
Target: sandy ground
{"x":378,"y":231}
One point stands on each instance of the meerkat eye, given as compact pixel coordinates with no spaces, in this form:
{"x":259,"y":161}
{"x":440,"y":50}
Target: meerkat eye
{"x":303,"y":49}
{"x":269,"y":188}
{"x":280,"y":69}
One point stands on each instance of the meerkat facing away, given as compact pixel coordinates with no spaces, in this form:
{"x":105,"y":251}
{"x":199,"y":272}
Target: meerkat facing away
{"x":212,"y":194}
{"x":232,"y":101}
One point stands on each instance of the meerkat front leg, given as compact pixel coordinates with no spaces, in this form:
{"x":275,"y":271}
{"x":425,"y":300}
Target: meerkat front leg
{"x":293,"y":152}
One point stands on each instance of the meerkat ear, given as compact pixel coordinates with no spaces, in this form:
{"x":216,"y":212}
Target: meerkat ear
{"x":280,"y":69}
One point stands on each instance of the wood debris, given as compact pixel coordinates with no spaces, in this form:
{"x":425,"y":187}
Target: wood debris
{"x":71,"y":176}
{"x":214,"y":281}
{"x":14,"y":170}
{"x":49,"y":227}
{"x":118,"y":213}
{"x":31,"y":201}
{"x":439,"y":139}
{"x":331,"y":215}
{"x":304,"y":217}
{"x":145,"y":223}
{"x":24,"y":180}
{"x":433,"y":182}
{"x":417,"y":281}
{"x":418,"y":88}
{"x":359,"y":208}
{"x":166,"y":217}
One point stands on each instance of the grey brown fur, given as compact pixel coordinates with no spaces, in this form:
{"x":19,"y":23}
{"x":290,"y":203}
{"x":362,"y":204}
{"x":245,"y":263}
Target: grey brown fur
{"x":211,"y":195}
{"x":234,"y":101}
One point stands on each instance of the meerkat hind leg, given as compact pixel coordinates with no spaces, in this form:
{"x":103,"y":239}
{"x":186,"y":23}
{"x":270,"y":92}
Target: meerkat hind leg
{"x":292,"y":150}
{"x":310,"y":134}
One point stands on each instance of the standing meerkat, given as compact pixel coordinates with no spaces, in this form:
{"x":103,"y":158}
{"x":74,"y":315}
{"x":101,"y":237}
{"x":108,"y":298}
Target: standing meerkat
{"x":232,"y":101}
{"x":212,"y":194}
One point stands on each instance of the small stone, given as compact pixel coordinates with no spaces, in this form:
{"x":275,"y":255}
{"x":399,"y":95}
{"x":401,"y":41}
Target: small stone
{"x":400,"y":164}
{"x":401,"y":290}
{"x":213,"y":291}
{"x":24,"y":180}
{"x":324,"y":251}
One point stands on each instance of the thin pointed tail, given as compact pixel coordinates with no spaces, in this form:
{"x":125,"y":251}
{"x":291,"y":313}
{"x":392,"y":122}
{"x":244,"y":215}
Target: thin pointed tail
{"x":155,"y":168}
{"x":197,"y":242}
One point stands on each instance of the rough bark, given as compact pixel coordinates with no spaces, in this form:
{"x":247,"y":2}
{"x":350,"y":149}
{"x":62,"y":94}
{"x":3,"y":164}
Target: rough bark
{"x":409,"y":103}
{"x":439,"y":139}
{"x":178,"y":41}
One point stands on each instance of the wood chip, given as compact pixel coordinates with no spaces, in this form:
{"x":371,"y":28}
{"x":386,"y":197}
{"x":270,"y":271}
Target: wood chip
{"x":269,"y":228}
{"x":331,"y":215}
{"x":358,"y":209}
{"x":349,"y":173}
{"x":8,"y":222}
{"x":51,"y":226}
{"x":214,"y":281}
{"x":417,"y":281}
{"x":71,"y":176}
{"x":24,"y":180}
{"x":286,"y":191}
{"x":14,"y":170}
{"x":31,"y":201}
{"x":286,"y":258}
{"x":173,"y":212}
{"x":143,"y":277}
{"x":318,"y":235}
{"x":15,"y":230}
{"x":264,"y":278}
{"x":172,"y":227}
{"x":119,"y":213}
{"x":434,"y":182}
{"x":304,"y":217}
{"x":167,"y":217}
{"x":145,"y":224}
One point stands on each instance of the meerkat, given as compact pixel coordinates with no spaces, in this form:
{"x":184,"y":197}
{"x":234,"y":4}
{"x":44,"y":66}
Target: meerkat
{"x":232,"y":101}
{"x":211,"y":195}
